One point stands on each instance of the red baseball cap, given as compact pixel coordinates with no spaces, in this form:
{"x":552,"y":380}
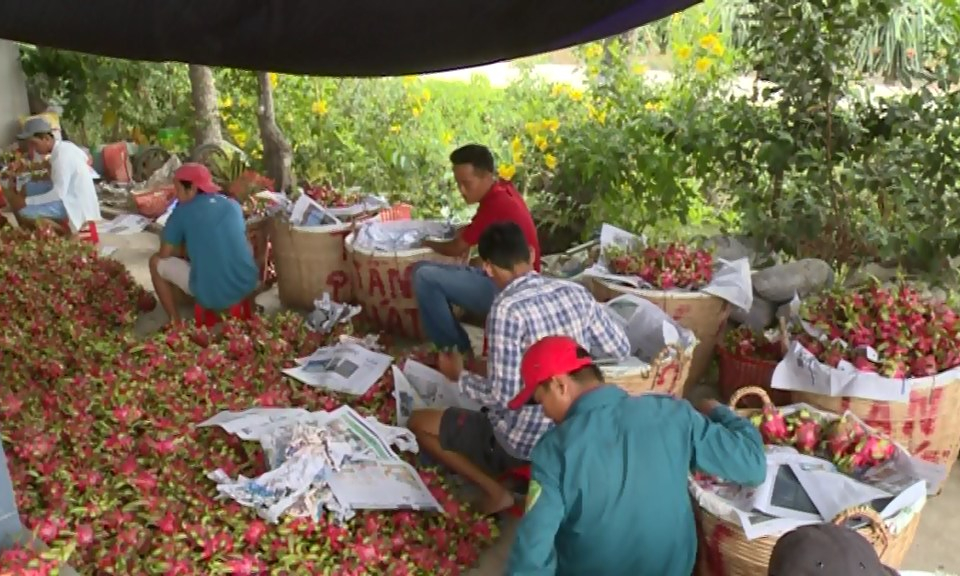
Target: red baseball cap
{"x":198,"y":175}
{"x":549,"y":357}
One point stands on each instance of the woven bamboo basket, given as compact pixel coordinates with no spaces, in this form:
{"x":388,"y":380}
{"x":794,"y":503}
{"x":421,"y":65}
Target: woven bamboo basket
{"x":382,"y":284}
{"x":704,"y":314}
{"x":928,"y":426}
{"x":310,"y":261}
{"x":725,"y":551}
{"x":665,"y":375}
{"x":738,"y":371}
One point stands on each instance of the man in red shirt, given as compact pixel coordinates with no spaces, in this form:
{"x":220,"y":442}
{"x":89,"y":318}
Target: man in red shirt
{"x":438,"y":286}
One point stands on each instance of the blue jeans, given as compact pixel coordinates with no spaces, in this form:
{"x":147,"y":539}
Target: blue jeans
{"x":437,"y":287}
{"x":51,"y":210}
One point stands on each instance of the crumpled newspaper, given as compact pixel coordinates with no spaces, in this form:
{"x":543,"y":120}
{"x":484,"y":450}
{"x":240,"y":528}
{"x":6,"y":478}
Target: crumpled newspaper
{"x":401,"y":235}
{"x":307,"y":459}
{"x":327,"y":314}
{"x":370,"y":341}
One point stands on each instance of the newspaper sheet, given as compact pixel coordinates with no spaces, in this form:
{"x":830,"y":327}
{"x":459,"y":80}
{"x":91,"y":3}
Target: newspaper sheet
{"x":400,"y":235}
{"x":373,"y":485}
{"x":802,"y":489}
{"x":348,"y":368}
{"x":419,"y":386}
{"x":336,"y":461}
{"x":731,"y":280}
{"x":648,"y":327}
{"x":307,"y":213}
{"x":327,"y":314}
{"x":802,"y":371}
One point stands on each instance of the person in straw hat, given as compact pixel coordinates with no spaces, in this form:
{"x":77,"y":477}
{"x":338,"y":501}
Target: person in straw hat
{"x":608,"y":488}
{"x":482,"y":446}
{"x":72,"y":201}
{"x":209,"y":228}
{"x":825,"y":550}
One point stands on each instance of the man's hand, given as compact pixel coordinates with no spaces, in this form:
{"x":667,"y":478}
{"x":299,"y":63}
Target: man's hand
{"x":707,"y":405}
{"x":450,"y":364}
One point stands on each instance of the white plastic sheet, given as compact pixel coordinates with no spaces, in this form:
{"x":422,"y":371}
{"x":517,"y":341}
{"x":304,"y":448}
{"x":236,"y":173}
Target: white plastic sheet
{"x":401,"y":235}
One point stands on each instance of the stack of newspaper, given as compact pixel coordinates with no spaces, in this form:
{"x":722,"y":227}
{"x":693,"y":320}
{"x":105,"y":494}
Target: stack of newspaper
{"x":801,"y":490}
{"x":322,"y":461}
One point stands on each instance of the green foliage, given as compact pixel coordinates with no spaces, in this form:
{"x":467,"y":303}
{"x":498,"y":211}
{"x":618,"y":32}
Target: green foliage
{"x":807,"y":160}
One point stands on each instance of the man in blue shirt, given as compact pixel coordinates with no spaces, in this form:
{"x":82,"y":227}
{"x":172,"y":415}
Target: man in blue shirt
{"x":208,"y":228}
{"x":608,"y":490}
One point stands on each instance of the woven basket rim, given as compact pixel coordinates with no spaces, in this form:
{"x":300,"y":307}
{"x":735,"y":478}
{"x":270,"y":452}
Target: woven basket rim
{"x":722,"y":351}
{"x":651,"y":293}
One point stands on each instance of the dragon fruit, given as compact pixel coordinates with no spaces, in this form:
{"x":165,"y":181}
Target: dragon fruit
{"x":806,"y":428}
{"x":841,"y":437}
{"x":772,"y":425}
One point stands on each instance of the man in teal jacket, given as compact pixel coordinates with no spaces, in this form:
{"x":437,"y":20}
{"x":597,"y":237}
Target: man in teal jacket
{"x":608,"y":490}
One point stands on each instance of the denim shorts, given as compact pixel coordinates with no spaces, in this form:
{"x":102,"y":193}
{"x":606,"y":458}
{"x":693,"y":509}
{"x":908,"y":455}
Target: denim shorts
{"x":50,"y":210}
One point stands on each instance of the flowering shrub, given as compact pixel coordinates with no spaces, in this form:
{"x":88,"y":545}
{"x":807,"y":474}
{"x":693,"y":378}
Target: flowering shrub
{"x":107,"y":467}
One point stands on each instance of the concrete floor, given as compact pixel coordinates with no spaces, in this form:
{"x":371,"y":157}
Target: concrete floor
{"x":937,"y":545}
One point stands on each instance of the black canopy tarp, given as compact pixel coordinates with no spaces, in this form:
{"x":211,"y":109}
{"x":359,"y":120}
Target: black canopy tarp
{"x":324,"y":37}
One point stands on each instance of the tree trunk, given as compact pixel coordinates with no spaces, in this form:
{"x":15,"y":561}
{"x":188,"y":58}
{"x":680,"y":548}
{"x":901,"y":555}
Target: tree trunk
{"x":206,"y":117}
{"x":277,"y":153}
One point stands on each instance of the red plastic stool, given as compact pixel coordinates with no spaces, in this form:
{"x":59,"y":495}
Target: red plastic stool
{"x":88,"y":233}
{"x":522,"y":474}
{"x":210,"y":318}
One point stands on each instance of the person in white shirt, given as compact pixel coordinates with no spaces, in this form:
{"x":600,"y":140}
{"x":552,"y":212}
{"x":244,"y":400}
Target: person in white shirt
{"x":72,"y":201}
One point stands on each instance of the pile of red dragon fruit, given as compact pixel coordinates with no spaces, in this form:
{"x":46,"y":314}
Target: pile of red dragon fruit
{"x":745,"y":342}
{"x":844,"y":441}
{"x":911,"y":336}
{"x":665,"y":267}
{"x":107,"y":468}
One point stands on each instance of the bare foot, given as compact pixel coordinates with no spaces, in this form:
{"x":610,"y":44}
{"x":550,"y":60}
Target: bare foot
{"x":495,"y":504}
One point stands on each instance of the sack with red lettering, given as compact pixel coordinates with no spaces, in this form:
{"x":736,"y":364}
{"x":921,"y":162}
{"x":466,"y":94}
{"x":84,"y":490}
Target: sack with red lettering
{"x":885,"y":353}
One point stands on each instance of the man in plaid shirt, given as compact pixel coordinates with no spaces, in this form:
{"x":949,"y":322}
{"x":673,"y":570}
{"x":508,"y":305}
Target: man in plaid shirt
{"x":480,"y":446}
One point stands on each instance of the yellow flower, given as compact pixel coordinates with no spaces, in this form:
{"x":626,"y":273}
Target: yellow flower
{"x":676,"y":17}
{"x":703,"y":64}
{"x":575,"y":95}
{"x":708,"y":41}
{"x":240,"y":138}
{"x":639,"y":69}
{"x":653,"y":106}
{"x":319,"y":107}
{"x":533,"y":128}
{"x":447,"y":137}
{"x":507,"y":171}
{"x":274,"y":79}
{"x":599,"y":115}
{"x":593,"y":70}
{"x":416,"y":111}
{"x":550,"y":161}
{"x":684,"y":52}
{"x":594,"y":51}
{"x":704,"y":20}
{"x":718,"y":49}
{"x":426,"y":95}
{"x":516,"y":146}
{"x":558,"y":89}
{"x":408,"y":80}
{"x":551,"y":124}
{"x":226,"y":102}
{"x":540,"y":142}
{"x":518,"y":157}
{"x":395,"y":129}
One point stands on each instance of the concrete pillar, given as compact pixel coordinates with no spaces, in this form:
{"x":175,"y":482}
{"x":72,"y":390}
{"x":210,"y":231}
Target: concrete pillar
{"x":13,"y":93}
